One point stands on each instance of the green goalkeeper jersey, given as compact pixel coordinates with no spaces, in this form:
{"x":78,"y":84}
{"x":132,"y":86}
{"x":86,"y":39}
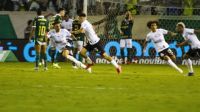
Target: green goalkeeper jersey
{"x":41,"y":28}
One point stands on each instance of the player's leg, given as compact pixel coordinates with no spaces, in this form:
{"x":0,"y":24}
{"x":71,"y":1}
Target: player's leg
{"x":107,"y":57}
{"x":75,"y":50}
{"x":187,"y":56}
{"x":84,"y":55}
{"x":164,"y":56}
{"x":37,"y":59}
{"x":129,"y":49}
{"x":44,"y":55}
{"x":65,"y":53}
{"x":79,"y":47}
{"x":122,"y":46}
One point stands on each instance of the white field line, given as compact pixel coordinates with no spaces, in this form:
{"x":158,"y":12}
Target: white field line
{"x":80,"y":87}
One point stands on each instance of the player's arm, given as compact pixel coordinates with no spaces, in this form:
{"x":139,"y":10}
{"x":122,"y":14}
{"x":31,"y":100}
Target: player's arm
{"x":144,"y":45}
{"x":172,"y":34}
{"x":196,"y":31}
{"x":182,"y":43}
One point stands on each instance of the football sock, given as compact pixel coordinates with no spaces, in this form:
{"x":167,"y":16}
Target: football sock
{"x":172,"y":64}
{"x":53,"y":53}
{"x":37,"y":59}
{"x":71,"y":58}
{"x":44,"y":56}
{"x":88,"y":60}
{"x":129,"y":55}
{"x":189,"y":65}
{"x":114,"y":63}
{"x":122,"y":53}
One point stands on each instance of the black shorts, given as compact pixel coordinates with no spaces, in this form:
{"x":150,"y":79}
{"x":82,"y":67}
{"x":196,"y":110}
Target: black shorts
{"x":193,"y":53}
{"x":166,"y":52}
{"x":97,"y":46}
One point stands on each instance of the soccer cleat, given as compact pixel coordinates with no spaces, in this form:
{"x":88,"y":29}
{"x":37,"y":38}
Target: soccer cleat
{"x":74,"y":67}
{"x":55,"y":65}
{"x":119,"y":70}
{"x":190,"y":74}
{"x":89,"y":65}
{"x":89,"y":70}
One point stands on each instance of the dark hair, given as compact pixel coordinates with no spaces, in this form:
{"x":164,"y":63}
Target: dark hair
{"x":82,"y":15}
{"x":56,"y":22}
{"x":60,"y":9}
{"x":29,"y":22}
{"x":39,"y":12}
{"x":79,"y":11}
{"x":151,"y":22}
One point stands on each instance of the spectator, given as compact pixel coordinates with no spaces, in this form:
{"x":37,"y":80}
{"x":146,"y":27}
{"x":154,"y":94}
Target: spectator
{"x":27,"y":30}
{"x":34,"y":6}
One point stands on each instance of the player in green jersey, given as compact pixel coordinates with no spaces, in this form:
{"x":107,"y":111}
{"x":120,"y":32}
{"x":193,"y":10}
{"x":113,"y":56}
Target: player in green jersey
{"x":39,"y":29}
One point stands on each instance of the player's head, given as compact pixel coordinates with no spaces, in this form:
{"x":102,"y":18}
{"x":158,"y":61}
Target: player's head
{"x":153,"y":25}
{"x":180,"y":27}
{"x":61,"y":11}
{"x":127,"y":14}
{"x":66,"y":17}
{"x":57,"y":25}
{"x":82,"y":17}
{"x":39,"y":12}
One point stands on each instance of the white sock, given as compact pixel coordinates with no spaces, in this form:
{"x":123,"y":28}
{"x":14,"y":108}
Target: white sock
{"x":189,"y":65}
{"x":114,"y":63}
{"x":88,"y":60}
{"x":71,"y":58}
{"x":172,"y":64}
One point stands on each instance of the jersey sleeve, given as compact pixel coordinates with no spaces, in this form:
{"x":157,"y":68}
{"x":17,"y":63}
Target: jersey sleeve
{"x":163,"y":31}
{"x":148,"y":38}
{"x":84,"y":26}
{"x":50,"y":34}
{"x":68,"y":34}
{"x":188,"y":30}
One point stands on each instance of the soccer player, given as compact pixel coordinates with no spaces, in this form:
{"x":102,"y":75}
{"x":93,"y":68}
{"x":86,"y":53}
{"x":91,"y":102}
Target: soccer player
{"x":40,"y":28}
{"x":126,"y":38}
{"x":190,"y":38}
{"x":157,"y":37}
{"x":79,"y":39}
{"x":94,"y":42}
{"x":58,"y":18}
{"x":59,"y":38}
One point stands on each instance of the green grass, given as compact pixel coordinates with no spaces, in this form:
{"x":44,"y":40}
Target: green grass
{"x":140,"y":88}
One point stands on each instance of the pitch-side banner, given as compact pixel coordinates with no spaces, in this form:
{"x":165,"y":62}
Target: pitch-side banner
{"x":24,"y":51}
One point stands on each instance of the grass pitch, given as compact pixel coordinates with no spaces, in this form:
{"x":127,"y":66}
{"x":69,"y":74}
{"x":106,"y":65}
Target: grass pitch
{"x":140,"y":88}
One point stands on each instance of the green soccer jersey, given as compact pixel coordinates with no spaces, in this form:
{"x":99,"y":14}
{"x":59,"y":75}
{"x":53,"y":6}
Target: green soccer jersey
{"x":56,"y":18}
{"x":126,"y":28}
{"x":76,"y":25}
{"x":41,"y":27}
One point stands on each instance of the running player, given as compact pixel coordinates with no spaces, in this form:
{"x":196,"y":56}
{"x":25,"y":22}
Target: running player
{"x":157,"y":37}
{"x":190,"y":38}
{"x":58,"y":17}
{"x":40,"y":28}
{"x":59,"y":38}
{"x":93,"y":43}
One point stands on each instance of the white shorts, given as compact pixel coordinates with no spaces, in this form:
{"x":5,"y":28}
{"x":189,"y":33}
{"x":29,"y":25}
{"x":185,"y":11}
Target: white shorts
{"x":41,"y":43}
{"x":125,"y":43}
{"x":78,"y":44}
